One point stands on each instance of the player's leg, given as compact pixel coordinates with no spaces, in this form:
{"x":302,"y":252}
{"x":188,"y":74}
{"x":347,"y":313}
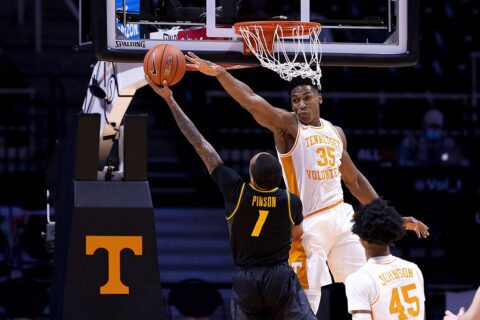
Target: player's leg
{"x":283,"y":295}
{"x":239,"y":313}
{"x":308,"y":258}
{"x":247,"y":302}
{"x":347,"y":254}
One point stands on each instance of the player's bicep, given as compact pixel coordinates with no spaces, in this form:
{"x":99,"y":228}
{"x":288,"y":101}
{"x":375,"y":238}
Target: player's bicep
{"x":296,"y":209}
{"x":297,"y":232}
{"x":268,"y":116}
{"x":361,"y":291}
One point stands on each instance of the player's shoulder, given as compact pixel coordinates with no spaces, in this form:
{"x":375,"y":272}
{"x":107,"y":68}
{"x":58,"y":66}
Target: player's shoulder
{"x":359,"y":278}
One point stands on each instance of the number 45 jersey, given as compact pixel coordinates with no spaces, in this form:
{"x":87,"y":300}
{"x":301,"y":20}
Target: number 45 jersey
{"x":389,"y":287}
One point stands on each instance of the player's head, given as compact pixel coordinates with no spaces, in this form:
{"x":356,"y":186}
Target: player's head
{"x":377,"y":223}
{"x":265,"y":170}
{"x":305,"y":98}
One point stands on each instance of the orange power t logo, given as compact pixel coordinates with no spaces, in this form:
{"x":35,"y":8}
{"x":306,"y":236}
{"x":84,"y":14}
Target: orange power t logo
{"x":114,"y":245}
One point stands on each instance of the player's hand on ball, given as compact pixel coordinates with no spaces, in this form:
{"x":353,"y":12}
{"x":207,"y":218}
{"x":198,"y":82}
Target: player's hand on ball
{"x":204,"y":66}
{"x":164,"y":91}
{"x":413,"y":224}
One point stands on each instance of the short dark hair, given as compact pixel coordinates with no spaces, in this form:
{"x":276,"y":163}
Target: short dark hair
{"x":299,"y":81}
{"x":266,"y":171}
{"x":378,"y":223}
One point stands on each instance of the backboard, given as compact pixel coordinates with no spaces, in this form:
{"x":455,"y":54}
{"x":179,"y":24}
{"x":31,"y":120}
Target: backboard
{"x":354,"y":33}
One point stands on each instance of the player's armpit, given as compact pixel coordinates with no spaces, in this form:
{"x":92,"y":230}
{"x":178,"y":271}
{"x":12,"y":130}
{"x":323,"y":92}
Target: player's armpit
{"x":361,"y":315}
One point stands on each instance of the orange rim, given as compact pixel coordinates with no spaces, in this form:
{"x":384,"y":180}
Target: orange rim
{"x":268,"y":30}
{"x":271,"y":26}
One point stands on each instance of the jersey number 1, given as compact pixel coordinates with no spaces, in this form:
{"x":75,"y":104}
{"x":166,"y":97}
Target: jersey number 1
{"x":261,"y":220}
{"x":396,"y":305}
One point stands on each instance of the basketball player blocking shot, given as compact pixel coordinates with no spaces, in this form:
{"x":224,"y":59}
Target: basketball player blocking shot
{"x":314,"y":158}
{"x":262,"y":220}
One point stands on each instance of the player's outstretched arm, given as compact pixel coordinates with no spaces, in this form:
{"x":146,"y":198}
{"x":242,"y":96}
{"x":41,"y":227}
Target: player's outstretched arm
{"x":361,"y":188}
{"x":274,"y":119}
{"x":208,"y":154}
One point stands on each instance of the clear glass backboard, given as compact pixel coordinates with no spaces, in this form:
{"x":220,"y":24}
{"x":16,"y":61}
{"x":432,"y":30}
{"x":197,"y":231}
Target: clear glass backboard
{"x":354,"y":32}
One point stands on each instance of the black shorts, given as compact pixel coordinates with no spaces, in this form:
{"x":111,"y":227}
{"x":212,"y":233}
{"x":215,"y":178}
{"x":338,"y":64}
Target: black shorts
{"x":269,"y":293}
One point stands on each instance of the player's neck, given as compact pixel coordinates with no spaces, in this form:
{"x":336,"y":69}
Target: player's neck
{"x":257,"y":187}
{"x":315,"y":123}
{"x":377,"y":251}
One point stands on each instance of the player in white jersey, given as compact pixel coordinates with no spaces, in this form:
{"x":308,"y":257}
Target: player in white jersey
{"x":314,"y":161}
{"x":386,"y":287}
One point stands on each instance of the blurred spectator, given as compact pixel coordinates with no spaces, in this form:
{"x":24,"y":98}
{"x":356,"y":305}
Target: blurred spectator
{"x":432,"y":147}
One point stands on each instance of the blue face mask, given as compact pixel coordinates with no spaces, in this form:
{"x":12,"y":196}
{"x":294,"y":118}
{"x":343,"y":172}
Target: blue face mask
{"x":434,"y":134}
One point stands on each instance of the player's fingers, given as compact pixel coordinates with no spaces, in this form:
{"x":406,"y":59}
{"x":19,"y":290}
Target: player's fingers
{"x":150,"y":81}
{"x":425,"y":233}
{"x":190,"y":59}
{"x":461,"y":311}
{"x":422,"y":225}
{"x":193,"y":55}
{"x":418,"y":233}
{"x":194,"y":66}
{"x":165,"y":85}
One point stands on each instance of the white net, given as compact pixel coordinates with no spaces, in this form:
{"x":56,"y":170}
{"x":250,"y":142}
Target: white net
{"x":278,"y":60}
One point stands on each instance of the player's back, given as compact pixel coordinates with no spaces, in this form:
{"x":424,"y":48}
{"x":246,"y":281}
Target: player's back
{"x":260,"y":221}
{"x":261,"y":228}
{"x":399,"y":288}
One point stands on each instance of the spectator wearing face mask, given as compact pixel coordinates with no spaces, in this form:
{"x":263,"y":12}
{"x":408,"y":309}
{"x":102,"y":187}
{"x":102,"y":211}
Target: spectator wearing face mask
{"x":433,"y":146}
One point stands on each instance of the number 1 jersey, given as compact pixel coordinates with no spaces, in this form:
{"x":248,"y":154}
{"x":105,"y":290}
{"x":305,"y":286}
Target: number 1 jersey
{"x":260,"y":221}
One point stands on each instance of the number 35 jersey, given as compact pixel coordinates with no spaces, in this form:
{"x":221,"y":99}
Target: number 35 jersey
{"x":311,"y":167}
{"x":390,"y":287}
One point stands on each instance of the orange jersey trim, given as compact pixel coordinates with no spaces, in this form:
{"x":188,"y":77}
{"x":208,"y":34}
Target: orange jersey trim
{"x":323,"y":209}
{"x":287,"y":163}
{"x":297,"y":254}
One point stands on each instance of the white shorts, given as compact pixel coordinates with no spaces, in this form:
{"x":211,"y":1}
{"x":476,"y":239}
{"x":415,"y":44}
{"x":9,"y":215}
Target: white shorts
{"x":327,"y":237}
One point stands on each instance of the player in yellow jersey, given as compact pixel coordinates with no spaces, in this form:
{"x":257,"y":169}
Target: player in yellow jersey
{"x":314,"y":159}
{"x":386,"y":287}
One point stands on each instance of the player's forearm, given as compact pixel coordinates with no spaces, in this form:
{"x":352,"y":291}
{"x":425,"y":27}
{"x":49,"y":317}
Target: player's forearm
{"x":474,"y":311}
{"x":239,"y":91}
{"x":207,"y":153}
{"x":361,"y":189}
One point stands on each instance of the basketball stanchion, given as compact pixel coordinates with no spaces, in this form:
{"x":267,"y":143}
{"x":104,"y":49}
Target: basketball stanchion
{"x":106,"y":261}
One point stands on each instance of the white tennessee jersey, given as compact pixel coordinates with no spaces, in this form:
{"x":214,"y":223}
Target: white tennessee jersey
{"x":311,"y":167}
{"x":390,"y":287}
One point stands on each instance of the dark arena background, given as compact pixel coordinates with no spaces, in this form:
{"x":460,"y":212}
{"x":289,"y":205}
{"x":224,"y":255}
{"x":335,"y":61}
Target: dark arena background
{"x":412,"y":131}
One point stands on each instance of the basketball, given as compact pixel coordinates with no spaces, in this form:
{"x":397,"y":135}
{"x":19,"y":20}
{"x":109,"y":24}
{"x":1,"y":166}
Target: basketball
{"x":164,"y":62}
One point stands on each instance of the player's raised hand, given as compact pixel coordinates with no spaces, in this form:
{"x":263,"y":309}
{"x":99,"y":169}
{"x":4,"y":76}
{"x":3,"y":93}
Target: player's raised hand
{"x":413,"y":224}
{"x":204,"y":66}
{"x":451,"y":316}
{"x":164,"y":91}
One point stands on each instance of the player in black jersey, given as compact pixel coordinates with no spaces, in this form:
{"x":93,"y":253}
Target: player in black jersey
{"x":262,"y":220}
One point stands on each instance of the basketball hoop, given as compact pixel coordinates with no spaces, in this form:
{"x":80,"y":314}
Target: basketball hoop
{"x":265,"y":40}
